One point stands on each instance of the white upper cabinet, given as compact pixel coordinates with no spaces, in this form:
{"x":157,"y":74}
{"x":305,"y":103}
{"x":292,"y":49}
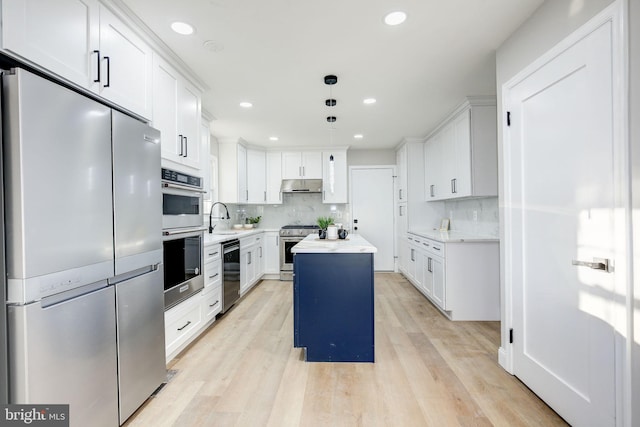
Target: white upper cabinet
{"x":176,"y":113}
{"x":83,"y":42}
{"x":256,"y":176}
{"x":302,"y":165}
{"x":232,"y":172}
{"x":274,"y":177}
{"x":461,"y":155}
{"x":401,"y":163}
{"x":126,"y":66}
{"x":336,"y":191}
{"x":58,"y":35}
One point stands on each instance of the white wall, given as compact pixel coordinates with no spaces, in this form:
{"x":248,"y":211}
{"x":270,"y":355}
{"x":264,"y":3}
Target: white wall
{"x":371,"y":157}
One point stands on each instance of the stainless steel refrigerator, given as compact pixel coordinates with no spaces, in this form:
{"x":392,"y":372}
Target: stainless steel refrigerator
{"x":83,"y":252}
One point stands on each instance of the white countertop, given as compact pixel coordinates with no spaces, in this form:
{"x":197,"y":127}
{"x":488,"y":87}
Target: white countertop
{"x":354,"y":243}
{"x":220,"y":236}
{"x":453,"y":236}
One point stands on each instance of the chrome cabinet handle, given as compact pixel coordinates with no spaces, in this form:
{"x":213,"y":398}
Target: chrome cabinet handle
{"x":433,"y":190}
{"x":603,"y":264}
{"x":181,"y":145}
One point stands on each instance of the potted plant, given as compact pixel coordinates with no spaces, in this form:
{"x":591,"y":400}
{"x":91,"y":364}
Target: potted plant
{"x":324,"y":222}
{"x":253,"y":221}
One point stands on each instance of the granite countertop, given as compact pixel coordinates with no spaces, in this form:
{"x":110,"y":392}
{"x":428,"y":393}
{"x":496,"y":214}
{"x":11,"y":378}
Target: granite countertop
{"x":220,"y":236}
{"x":453,"y":236}
{"x":354,"y":243}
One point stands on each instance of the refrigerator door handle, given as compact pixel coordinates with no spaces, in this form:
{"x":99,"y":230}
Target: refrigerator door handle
{"x":133,"y":273}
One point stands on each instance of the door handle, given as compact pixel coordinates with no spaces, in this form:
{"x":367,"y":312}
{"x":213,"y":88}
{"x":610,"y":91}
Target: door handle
{"x":603,"y":264}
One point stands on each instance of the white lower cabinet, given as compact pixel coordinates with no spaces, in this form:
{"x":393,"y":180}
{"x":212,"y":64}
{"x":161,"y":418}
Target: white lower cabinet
{"x":271,"y":252}
{"x":182,"y":324}
{"x":211,"y":302}
{"x":461,"y":278}
{"x":251,"y":261}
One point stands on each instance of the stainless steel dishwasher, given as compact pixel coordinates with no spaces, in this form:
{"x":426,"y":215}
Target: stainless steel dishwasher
{"x":230,"y":273}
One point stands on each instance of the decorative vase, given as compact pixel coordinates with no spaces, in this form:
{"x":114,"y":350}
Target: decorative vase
{"x":322,"y":233}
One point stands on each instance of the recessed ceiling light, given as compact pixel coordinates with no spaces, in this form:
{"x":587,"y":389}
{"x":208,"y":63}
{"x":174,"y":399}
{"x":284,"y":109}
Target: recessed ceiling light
{"x":358,"y":136}
{"x":245,"y":104}
{"x":273,"y":138}
{"x":369,"y":100}
{"x":182,"y":28}
{"x":395,"y":18}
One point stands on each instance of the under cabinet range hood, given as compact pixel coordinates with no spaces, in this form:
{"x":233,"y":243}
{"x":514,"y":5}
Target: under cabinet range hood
{"x":301,"y":186}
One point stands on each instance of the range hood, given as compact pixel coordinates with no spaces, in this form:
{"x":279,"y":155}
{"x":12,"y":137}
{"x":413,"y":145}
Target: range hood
{"x":301,"y":186}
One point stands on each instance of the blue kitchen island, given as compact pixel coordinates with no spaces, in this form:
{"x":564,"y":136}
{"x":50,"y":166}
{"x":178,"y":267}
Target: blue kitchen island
{"x":333,"y":299}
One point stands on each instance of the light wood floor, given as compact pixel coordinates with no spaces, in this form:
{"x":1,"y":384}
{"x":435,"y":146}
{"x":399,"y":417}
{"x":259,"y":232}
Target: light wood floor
{"x":429,"y":371}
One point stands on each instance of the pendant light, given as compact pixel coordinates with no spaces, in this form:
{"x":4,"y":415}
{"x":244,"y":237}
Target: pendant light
{"x":330,"y":80}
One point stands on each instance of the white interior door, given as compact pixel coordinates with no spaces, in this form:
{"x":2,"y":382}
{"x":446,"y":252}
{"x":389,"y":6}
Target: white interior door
{"x":560,"y":203}
{"x":372,"y":211}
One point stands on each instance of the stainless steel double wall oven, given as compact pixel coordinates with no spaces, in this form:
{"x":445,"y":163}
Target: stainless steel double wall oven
{"x":183,"y":232}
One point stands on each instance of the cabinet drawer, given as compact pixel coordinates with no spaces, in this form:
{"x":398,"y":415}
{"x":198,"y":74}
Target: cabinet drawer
{"x":212,"y":274}
{"x":182,"y":323}
{"x":211,"y":302}
{"x":212,"y":253}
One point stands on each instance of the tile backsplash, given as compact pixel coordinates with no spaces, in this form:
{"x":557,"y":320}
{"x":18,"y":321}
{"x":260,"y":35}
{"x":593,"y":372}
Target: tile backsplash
{"x":477,"y":216}
{"x":301,"y":209}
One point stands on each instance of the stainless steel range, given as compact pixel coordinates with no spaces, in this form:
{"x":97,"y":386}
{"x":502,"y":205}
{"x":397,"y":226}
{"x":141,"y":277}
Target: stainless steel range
{"x":290,"y":235}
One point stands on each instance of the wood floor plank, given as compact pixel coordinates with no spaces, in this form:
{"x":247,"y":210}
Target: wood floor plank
{"x":429,"y":371}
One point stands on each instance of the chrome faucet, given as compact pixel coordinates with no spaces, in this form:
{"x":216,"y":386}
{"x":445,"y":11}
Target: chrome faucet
{"x":222,"y":217}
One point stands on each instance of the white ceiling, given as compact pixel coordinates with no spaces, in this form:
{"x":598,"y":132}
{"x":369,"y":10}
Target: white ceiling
{"x":275,"y":54}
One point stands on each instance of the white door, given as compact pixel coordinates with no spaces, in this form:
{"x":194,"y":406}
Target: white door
{"x":560,"y":192}
{"x":372,"y":211}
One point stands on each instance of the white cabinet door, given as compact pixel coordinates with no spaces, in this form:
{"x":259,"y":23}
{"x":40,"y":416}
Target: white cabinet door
{"x":401,"y":238}
{"x":274,"y":177}
{"x":312,"y":164}
{"x":432,"y":166}
{"x":176,"y":113}
{"x":401,"y":163}
{"x":59,"y":35}
{"x":126,"y":66}
{"x":291,"y":165}
{"x":334,"y":188}
{"x":271,"y":252}
{"x":165,"y":109}
{"x":243,"y":192}
{"x":305,"y":164}
{"x":189,"y":124}
{"x":438,"y":282}
{"x":245,"y":257}
{"x":256,"y":176}
{"x":205,"y":160}
{"x":461,"y":180}
{"x":427,"y":275}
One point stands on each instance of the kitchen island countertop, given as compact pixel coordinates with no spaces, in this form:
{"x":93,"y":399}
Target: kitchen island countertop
{"x":354,"y":243}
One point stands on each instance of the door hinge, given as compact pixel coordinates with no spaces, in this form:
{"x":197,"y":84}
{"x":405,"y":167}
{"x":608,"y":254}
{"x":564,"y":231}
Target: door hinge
{"x":508,"y":118}
{"x":511,"y":336}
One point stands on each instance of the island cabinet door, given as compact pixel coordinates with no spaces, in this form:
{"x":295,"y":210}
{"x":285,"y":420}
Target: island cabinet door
{"x":333,"y":307}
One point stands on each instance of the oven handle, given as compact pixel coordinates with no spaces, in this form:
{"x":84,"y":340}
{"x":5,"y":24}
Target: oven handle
{"x":182,"y":187}
{"x":183,"y":231}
